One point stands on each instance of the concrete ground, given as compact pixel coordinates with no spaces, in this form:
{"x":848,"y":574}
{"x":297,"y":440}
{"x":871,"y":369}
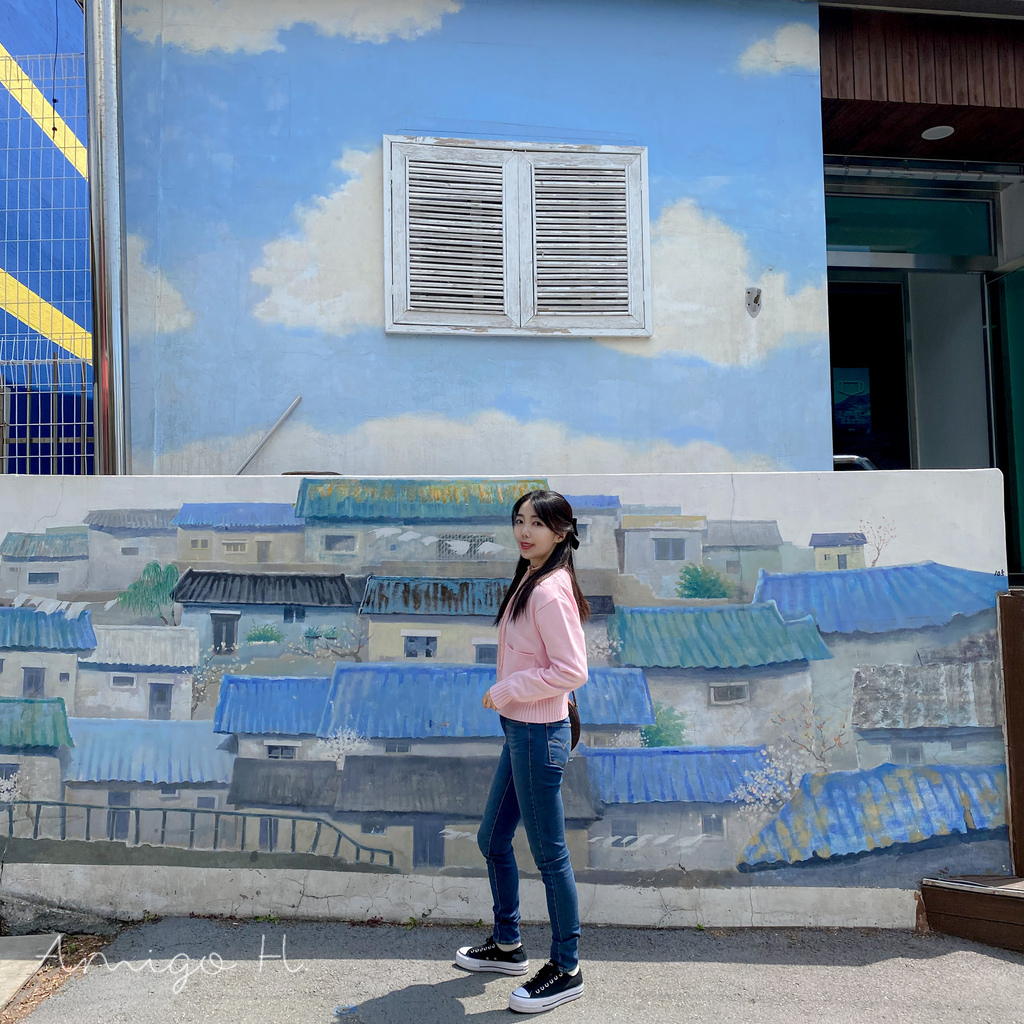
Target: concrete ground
{"x":157,"y":974}
{"x":20,"y":957}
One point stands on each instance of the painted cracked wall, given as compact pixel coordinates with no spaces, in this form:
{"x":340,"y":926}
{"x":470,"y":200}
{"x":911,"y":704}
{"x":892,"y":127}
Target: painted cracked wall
{"x":253,"y":151}
{"x":288,"y":671}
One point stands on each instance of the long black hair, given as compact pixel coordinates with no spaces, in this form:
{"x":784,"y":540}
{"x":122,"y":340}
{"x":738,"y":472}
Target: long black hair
{"x":556,"y":514}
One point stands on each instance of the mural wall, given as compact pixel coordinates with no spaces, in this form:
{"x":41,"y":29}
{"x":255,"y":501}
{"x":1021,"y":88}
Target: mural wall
{"x":288,"y":671}
{"x":253,"y":136}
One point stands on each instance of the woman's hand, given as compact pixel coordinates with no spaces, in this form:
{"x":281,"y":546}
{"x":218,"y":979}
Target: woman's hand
{"x":488,"y":703}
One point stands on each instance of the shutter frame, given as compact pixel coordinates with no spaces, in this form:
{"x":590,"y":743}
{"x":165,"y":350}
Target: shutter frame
{"x":520,"y":316}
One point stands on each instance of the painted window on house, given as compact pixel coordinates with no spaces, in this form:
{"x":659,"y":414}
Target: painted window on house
{"x":670,"y":549}
{"x":129,"y":551}
{"x":730,"y":693}
{"x":280,"y":752}
{"x":841,"y":561}
{"x":339,"y":542}
{"x":451,"y":547}
{"x":583,"y":532}
{"x":65,"y":677}
{"x":167,"y":792}
{"x":33,"y":682}
{"x":907,"y":753}
{"x":160,"y":701}
{"x":1,"y":666}
{"x":712,"y":825}
{"x":206,"y":803}
{"x":420,"y":646}
{"x":624,"y":831}
{"x":44,"y":579}
{"x":960,"y":744}
{"x":295,"y":613}
{"x":732,"y":567}
{"x":225,"y":632}
{"x":515,"y":238}
{"x":396,"y":747}
{"x":487,"y":654}
{"x":8,"y":769}
{"x":200,"y":543}
{"x":235,"y":547}
{"x":373,"y":828}
{"x":122,"y":682}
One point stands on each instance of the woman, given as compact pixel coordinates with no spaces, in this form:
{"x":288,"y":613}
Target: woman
{"x":542,"y":656}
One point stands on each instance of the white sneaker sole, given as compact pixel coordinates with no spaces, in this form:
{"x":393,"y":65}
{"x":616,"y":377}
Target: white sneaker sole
{"x":468,"y":963}
{"x":522,"y":1004}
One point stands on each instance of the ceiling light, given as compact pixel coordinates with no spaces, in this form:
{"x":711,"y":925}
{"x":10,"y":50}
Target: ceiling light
{"x":940,"y":131}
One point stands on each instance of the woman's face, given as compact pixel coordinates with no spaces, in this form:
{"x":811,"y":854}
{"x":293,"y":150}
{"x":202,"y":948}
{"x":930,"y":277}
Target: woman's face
{"x":536,"y":541}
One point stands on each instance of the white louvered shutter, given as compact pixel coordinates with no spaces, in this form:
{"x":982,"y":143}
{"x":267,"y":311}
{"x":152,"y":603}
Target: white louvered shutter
{"x":455,"y":252}
{"x":583,"y":243}
{"x":516,"y":239}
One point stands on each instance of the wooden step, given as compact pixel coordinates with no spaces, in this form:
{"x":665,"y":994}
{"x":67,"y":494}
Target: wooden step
{"x":983,"y":908}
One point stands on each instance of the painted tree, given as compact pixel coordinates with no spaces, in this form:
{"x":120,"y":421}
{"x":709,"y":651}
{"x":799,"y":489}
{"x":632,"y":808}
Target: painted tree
{"x":335,"y":643}
{"x":150,"y":594}
{"x":878,"y":536}
{"x":668,"y":729}
{"x":702,"y":581}
{"x":334,"y":748}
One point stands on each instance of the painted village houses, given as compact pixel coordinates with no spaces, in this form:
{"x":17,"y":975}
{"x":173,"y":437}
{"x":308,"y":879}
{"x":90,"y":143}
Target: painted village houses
{"x":51,"y":564}
{"x":228,"y":535}
{"x":122,"y":542}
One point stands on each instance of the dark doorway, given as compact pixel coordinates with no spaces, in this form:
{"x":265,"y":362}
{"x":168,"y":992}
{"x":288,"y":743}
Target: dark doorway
{"x":263,"y":551}
{"x":160,"y":701}
{"x":427,"y":842}
{"x":867,"y":337}
{"x":117,"y":821}
{"x":225,"y":632}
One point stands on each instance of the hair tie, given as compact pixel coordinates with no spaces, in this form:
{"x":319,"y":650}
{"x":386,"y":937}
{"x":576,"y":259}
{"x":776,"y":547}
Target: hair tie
{"x":574,"y":536}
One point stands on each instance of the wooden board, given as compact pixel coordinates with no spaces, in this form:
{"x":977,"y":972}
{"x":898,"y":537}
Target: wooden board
{"x":993,"y":914}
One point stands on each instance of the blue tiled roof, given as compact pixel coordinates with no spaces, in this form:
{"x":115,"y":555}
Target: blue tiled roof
{"x":140,"y":750}
{"x":881,"y":599}
{"x":271,"y":705}
{"x":442,"y":595}
{"x":246,"y":515}
{"x":593,"y":502}
{"x":854,"y":812}
{"x":410,"y":699}
{"x":46,"y":547}
{"x":722,"y":636}
{"x":25,"y":629}
{"x":407,"y":500}
{"x":670,"y":774}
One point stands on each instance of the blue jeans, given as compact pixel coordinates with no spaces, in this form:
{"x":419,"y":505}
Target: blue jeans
{"x":528,"y":786}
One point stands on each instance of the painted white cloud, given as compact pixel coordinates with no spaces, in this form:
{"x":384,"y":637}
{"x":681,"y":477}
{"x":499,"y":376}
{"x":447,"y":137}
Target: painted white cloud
{"x":792,"y":46}
{"x":155,"y":306}
{"x":254,"y":26}
{"x":700,"y":270}
{"x":491,"y":442}
{"x":330,"y":275}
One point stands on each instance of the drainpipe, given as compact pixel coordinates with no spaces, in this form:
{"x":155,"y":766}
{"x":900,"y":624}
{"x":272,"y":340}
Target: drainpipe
{"x":107,"y":237}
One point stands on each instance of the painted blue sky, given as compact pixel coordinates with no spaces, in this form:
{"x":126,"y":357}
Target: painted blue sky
{"x":222,"y":148}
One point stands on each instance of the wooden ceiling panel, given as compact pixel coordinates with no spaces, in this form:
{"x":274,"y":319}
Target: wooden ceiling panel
{"x":870,"y":128}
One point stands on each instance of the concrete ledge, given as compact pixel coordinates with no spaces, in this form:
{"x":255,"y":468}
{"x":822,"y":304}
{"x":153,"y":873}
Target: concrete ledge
{"x":128,"y":892}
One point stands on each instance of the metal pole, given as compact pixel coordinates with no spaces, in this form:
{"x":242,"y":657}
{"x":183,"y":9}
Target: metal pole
{"x":107,"y":237}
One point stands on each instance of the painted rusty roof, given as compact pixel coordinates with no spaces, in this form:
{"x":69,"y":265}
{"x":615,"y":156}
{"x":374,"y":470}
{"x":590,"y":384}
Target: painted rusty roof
{"x":25,"y":629}
{"x":882,"y":599}
{"x":442,"y":595}
{"x":242,"y":515}
{"x":670,"y":774}
{"x":141,"y":750}
{"x":46,"y":547}
{"x":408,"y":500}
{"x":407,"y":699}
{"x":742,"y":533}
{"x":138,"y":520}
{"x":720,"y":636}
{"x":313,"y":590}
{"x":832,"y":815}
{"x":34,"y":723}
{"x":153,"y":648}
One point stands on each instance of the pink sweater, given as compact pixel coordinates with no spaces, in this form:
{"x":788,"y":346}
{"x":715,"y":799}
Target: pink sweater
{"x":542,"y":655}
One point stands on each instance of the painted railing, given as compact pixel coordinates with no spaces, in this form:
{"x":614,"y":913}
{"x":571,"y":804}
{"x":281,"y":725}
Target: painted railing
{"x":206,"y":829}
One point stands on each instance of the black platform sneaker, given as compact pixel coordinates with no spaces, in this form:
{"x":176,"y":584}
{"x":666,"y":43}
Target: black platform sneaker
{"x":548,"y":988}
{"x":488,"y":957}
